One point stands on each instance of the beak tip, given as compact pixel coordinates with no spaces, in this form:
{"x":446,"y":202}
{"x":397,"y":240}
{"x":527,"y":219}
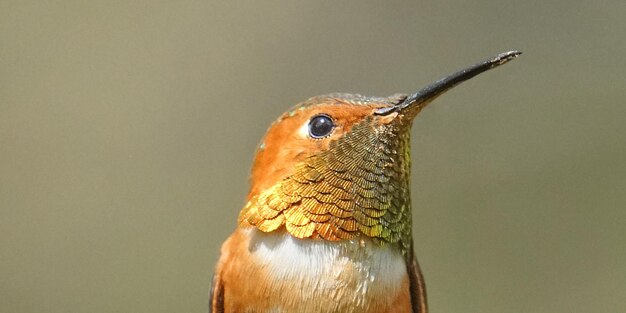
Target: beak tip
{"x":506,"y":57}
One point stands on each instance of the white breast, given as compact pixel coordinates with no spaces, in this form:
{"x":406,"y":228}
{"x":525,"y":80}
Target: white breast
{"x":323,"y":269}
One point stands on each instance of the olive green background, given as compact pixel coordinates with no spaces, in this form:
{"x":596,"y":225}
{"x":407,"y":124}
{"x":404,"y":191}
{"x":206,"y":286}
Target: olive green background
{"x":127,"y":129}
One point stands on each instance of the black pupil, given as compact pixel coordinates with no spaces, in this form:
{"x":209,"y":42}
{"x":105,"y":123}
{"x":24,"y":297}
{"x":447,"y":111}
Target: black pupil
{"x":320,"y":126}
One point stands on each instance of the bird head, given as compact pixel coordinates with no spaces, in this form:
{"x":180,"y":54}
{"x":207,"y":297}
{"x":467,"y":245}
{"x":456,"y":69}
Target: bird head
{"x":337,"y":167}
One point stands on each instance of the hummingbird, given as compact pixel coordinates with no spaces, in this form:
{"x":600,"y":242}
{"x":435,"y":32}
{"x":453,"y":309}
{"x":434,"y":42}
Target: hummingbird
{"x":327,"y":222}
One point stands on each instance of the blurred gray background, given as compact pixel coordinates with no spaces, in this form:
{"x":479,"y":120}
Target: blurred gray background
{"x":127,"y":129}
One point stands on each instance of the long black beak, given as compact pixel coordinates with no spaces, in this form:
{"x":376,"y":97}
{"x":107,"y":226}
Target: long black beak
{"x":432,"y":91}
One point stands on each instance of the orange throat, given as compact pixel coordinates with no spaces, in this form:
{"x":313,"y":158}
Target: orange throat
{"x":357,"y":186}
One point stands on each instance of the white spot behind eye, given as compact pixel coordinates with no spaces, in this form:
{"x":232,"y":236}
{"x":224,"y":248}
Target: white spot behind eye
{"x":303,"y":131}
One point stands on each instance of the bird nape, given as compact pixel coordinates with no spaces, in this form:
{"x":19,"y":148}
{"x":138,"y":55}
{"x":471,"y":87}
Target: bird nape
{"x":327,"y":223}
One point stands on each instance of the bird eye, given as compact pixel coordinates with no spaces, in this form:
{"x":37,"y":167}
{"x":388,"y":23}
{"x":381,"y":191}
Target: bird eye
{"x":320,"y":126}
